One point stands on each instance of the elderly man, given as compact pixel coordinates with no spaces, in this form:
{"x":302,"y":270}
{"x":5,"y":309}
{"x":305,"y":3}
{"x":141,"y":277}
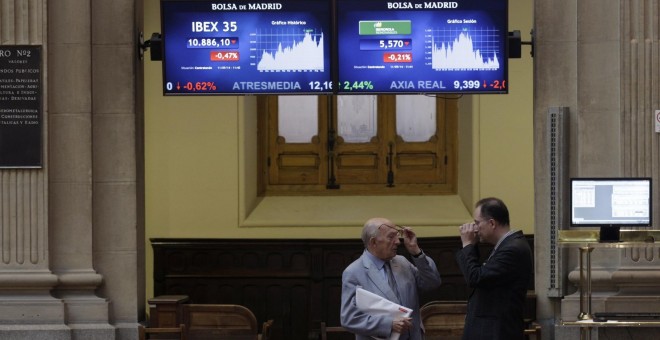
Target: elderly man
{"x":381,"y":271}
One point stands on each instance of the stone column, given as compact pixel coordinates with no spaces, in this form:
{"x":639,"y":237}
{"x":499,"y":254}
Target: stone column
{"x":114,"y":158}
{"x":71,"y":169}
{"x":640,"y":37}
{"x":71,"y":265}
{"x":25,"y":278}
{"x":599,"y":58}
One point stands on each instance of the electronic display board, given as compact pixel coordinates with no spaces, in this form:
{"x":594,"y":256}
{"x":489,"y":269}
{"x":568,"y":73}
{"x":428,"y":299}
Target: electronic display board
{"x":422,"y":46}
{"x":242,"y":47}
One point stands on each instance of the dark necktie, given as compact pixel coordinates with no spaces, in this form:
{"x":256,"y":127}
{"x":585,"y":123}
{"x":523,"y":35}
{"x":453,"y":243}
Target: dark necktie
{"x":391,"y":280}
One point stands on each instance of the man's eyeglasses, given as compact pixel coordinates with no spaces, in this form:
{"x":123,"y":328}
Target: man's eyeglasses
{"x":477,"y":222}
{"x":398,"y":228}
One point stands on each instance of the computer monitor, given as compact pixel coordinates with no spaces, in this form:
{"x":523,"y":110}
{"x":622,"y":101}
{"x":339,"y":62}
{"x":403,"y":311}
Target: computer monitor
{"x":610,"y":203}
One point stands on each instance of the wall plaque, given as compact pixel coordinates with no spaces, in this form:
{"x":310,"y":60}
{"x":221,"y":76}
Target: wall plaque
{"x":20,"y":106}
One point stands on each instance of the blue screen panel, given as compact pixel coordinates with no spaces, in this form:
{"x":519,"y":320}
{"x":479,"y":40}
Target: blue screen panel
{"x":240,"y":47}
{"x":422,"y":46}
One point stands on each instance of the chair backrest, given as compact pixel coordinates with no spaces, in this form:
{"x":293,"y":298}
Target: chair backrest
{"x":333,"y":329}
{"x":230,"y":322}
{"x":533,"y":330}
{"x":171,"y":333}
{"x":266,"y":329}
{"x":443,"y":319}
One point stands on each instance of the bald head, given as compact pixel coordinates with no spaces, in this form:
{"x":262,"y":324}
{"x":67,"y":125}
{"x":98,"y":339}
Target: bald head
{"x":370,"y":229}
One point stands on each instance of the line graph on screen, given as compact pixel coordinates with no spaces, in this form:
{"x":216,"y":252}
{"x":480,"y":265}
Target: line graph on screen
{"x":287,"y":50}
{"x":464,"y":50}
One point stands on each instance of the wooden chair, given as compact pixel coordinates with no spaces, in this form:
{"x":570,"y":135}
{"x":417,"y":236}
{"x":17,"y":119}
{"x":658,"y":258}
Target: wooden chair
{"x":266,"y":328}
{"x":170,"y":333}
{"x":529,"y":312}
{"x":534,"y":329}
{"x":227,"y":322}
{"x":443,"y":319}
{"x":446,"y":320}
{"x":333,"y":329}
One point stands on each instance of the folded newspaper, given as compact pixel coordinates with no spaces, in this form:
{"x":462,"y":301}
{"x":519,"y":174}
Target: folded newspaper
{"x":371,"y":303}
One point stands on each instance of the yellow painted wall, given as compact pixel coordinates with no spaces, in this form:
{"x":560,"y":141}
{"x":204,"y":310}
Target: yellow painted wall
{"x":199,"y":158}
{"x":505,"y":126}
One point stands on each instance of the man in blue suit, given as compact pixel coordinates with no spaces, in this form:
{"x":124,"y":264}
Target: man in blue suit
{"x":370,"y":272}
{"x":495,"y":307}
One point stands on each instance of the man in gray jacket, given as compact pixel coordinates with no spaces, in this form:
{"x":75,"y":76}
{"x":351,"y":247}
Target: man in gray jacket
{"x":401,"y":284}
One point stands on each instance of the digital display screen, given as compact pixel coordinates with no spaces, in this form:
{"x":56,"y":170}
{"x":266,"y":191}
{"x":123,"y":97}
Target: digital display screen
{"x":611,"y":202}
{"x":241,"y":47}
{"x":422,"y":46}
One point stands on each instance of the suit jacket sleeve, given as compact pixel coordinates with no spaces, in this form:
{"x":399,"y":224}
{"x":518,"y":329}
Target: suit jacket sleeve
{"x":426,"y":273}
{"x":505,"y":266}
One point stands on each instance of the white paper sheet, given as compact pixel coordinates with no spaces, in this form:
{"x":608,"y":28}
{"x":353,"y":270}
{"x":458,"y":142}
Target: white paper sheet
{"x":371,"y":303}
